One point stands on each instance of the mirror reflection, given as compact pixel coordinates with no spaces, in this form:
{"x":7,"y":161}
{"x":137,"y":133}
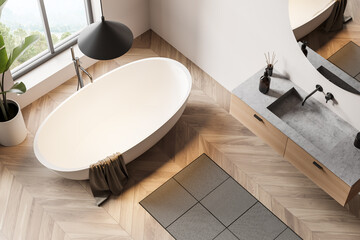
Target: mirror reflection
{"x":330,"y":28}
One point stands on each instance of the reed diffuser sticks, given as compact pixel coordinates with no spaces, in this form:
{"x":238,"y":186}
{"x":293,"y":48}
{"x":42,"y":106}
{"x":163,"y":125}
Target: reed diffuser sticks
{"x":270,"y":61}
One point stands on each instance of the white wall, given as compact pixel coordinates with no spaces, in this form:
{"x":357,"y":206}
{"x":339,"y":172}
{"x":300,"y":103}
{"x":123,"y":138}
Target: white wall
{"x":228,"y":38}
{"x":133,"y":13}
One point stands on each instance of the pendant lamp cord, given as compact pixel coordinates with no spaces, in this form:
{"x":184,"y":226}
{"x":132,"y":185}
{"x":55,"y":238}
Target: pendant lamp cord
{"x":102,"y":13}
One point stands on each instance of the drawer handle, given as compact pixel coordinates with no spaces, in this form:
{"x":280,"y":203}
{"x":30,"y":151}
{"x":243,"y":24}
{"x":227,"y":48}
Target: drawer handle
{"x":258,"y":118}
{"x":317,"y":165}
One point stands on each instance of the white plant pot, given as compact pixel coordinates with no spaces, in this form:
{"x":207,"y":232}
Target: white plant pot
{"x":13,"y":132}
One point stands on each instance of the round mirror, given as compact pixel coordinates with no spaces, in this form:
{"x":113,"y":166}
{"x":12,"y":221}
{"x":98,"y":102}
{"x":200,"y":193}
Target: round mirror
{"x":318,"y":23}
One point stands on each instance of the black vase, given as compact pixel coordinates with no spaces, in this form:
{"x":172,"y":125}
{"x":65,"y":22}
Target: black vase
{"x":269,"y":69}
{"x":357,"y":141}
{"x":303,"y":49}
{"x":264,"y":84}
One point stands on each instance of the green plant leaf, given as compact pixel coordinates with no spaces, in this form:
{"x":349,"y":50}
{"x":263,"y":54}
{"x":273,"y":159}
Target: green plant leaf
{"x":29,"y":40}
{"x":3,"y":55}
{"x":2,"y":4}
{"x":18,"y":88}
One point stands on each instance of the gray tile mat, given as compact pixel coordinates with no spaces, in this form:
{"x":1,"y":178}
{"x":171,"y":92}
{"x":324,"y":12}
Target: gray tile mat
{"x":230,"y":193}
{"x":347,"y":59}
{"x":226,"y":235}
{"x":196,"y":224}
{"x":204,"y":202}
{"x":201,"y":177}
{"x":258,"y":223}
{"x":168,"y":202}
{"x":288,"y":234}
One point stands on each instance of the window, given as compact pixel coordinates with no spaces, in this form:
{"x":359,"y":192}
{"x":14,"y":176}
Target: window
{"x":58,"y":24}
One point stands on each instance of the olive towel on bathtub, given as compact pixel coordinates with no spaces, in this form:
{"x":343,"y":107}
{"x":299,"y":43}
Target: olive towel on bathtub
{"x":336,"y":19}
{"x":108,"y":176}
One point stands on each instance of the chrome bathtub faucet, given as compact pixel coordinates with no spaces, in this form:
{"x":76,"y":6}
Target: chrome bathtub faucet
{"x":77,"y":66}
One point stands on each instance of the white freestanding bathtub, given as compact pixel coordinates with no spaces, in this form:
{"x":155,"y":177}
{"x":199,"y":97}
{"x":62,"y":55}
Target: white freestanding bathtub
{"x":126,"y":110}
{"x":306,"y":15}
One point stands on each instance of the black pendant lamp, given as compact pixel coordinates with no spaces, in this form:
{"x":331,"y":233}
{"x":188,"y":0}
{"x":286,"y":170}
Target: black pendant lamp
{"x":105,"y":40}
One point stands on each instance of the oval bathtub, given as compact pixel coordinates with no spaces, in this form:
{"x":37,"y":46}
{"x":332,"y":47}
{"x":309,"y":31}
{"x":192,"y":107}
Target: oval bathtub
{"x":126,"y":110}
{"x":306,"y":15}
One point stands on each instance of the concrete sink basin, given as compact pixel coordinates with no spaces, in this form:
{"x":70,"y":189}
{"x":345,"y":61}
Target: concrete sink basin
{"x":314,"y":121}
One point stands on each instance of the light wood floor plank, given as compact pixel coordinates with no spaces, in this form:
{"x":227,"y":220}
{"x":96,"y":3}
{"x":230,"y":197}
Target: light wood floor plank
{"x":3,"y":237}
{"x":76,"y":230}
{"x":23,"y":215}
{"x":6,"y":181}
{"x":46,"y":226}
{"x":34,"y":221}
{"x":57,"y":233}
{"x":12,"y":209}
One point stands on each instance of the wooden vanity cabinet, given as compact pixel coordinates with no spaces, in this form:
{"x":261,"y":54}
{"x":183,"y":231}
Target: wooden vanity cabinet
{"x":297,"y":156}
{"x":258,"y":125}
{"x":317,"y":173}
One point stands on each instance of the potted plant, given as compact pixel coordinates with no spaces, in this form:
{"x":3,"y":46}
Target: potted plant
{"x":12,"y":125}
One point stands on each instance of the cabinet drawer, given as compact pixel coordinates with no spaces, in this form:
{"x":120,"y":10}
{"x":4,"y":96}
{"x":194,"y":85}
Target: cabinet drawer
{"x":318,"y":173}
{"x":258,"y":125}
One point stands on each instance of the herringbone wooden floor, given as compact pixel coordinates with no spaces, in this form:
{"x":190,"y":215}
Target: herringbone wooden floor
{"x":37,"y":204}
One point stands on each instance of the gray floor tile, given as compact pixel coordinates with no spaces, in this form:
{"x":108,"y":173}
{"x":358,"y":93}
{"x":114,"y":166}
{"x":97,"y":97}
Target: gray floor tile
{"x":288,"y":234}
{"x":228,"y":201}
{"x":347,"y":58}
{"x":226,"y":235}
{"x":258,"y":223}
{"x":201,"y":177}
{"x":196,"y":224}
{"x":168,"y":202}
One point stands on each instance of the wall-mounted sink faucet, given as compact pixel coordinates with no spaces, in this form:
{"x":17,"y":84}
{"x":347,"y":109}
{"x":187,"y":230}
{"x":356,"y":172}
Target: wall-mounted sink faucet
{"x":318,"y":88}
{"x":329,"y":96}
{"x":78,"y":67}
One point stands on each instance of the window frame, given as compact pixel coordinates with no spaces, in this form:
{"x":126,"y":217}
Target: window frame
{"x":51,"y":51}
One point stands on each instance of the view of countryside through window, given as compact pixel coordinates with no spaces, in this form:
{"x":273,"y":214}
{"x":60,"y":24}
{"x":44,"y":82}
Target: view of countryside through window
{"x":21,"y":18}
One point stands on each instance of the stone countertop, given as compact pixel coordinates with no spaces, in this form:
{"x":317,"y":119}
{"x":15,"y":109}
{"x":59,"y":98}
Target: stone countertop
{"x":343,"y":159}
